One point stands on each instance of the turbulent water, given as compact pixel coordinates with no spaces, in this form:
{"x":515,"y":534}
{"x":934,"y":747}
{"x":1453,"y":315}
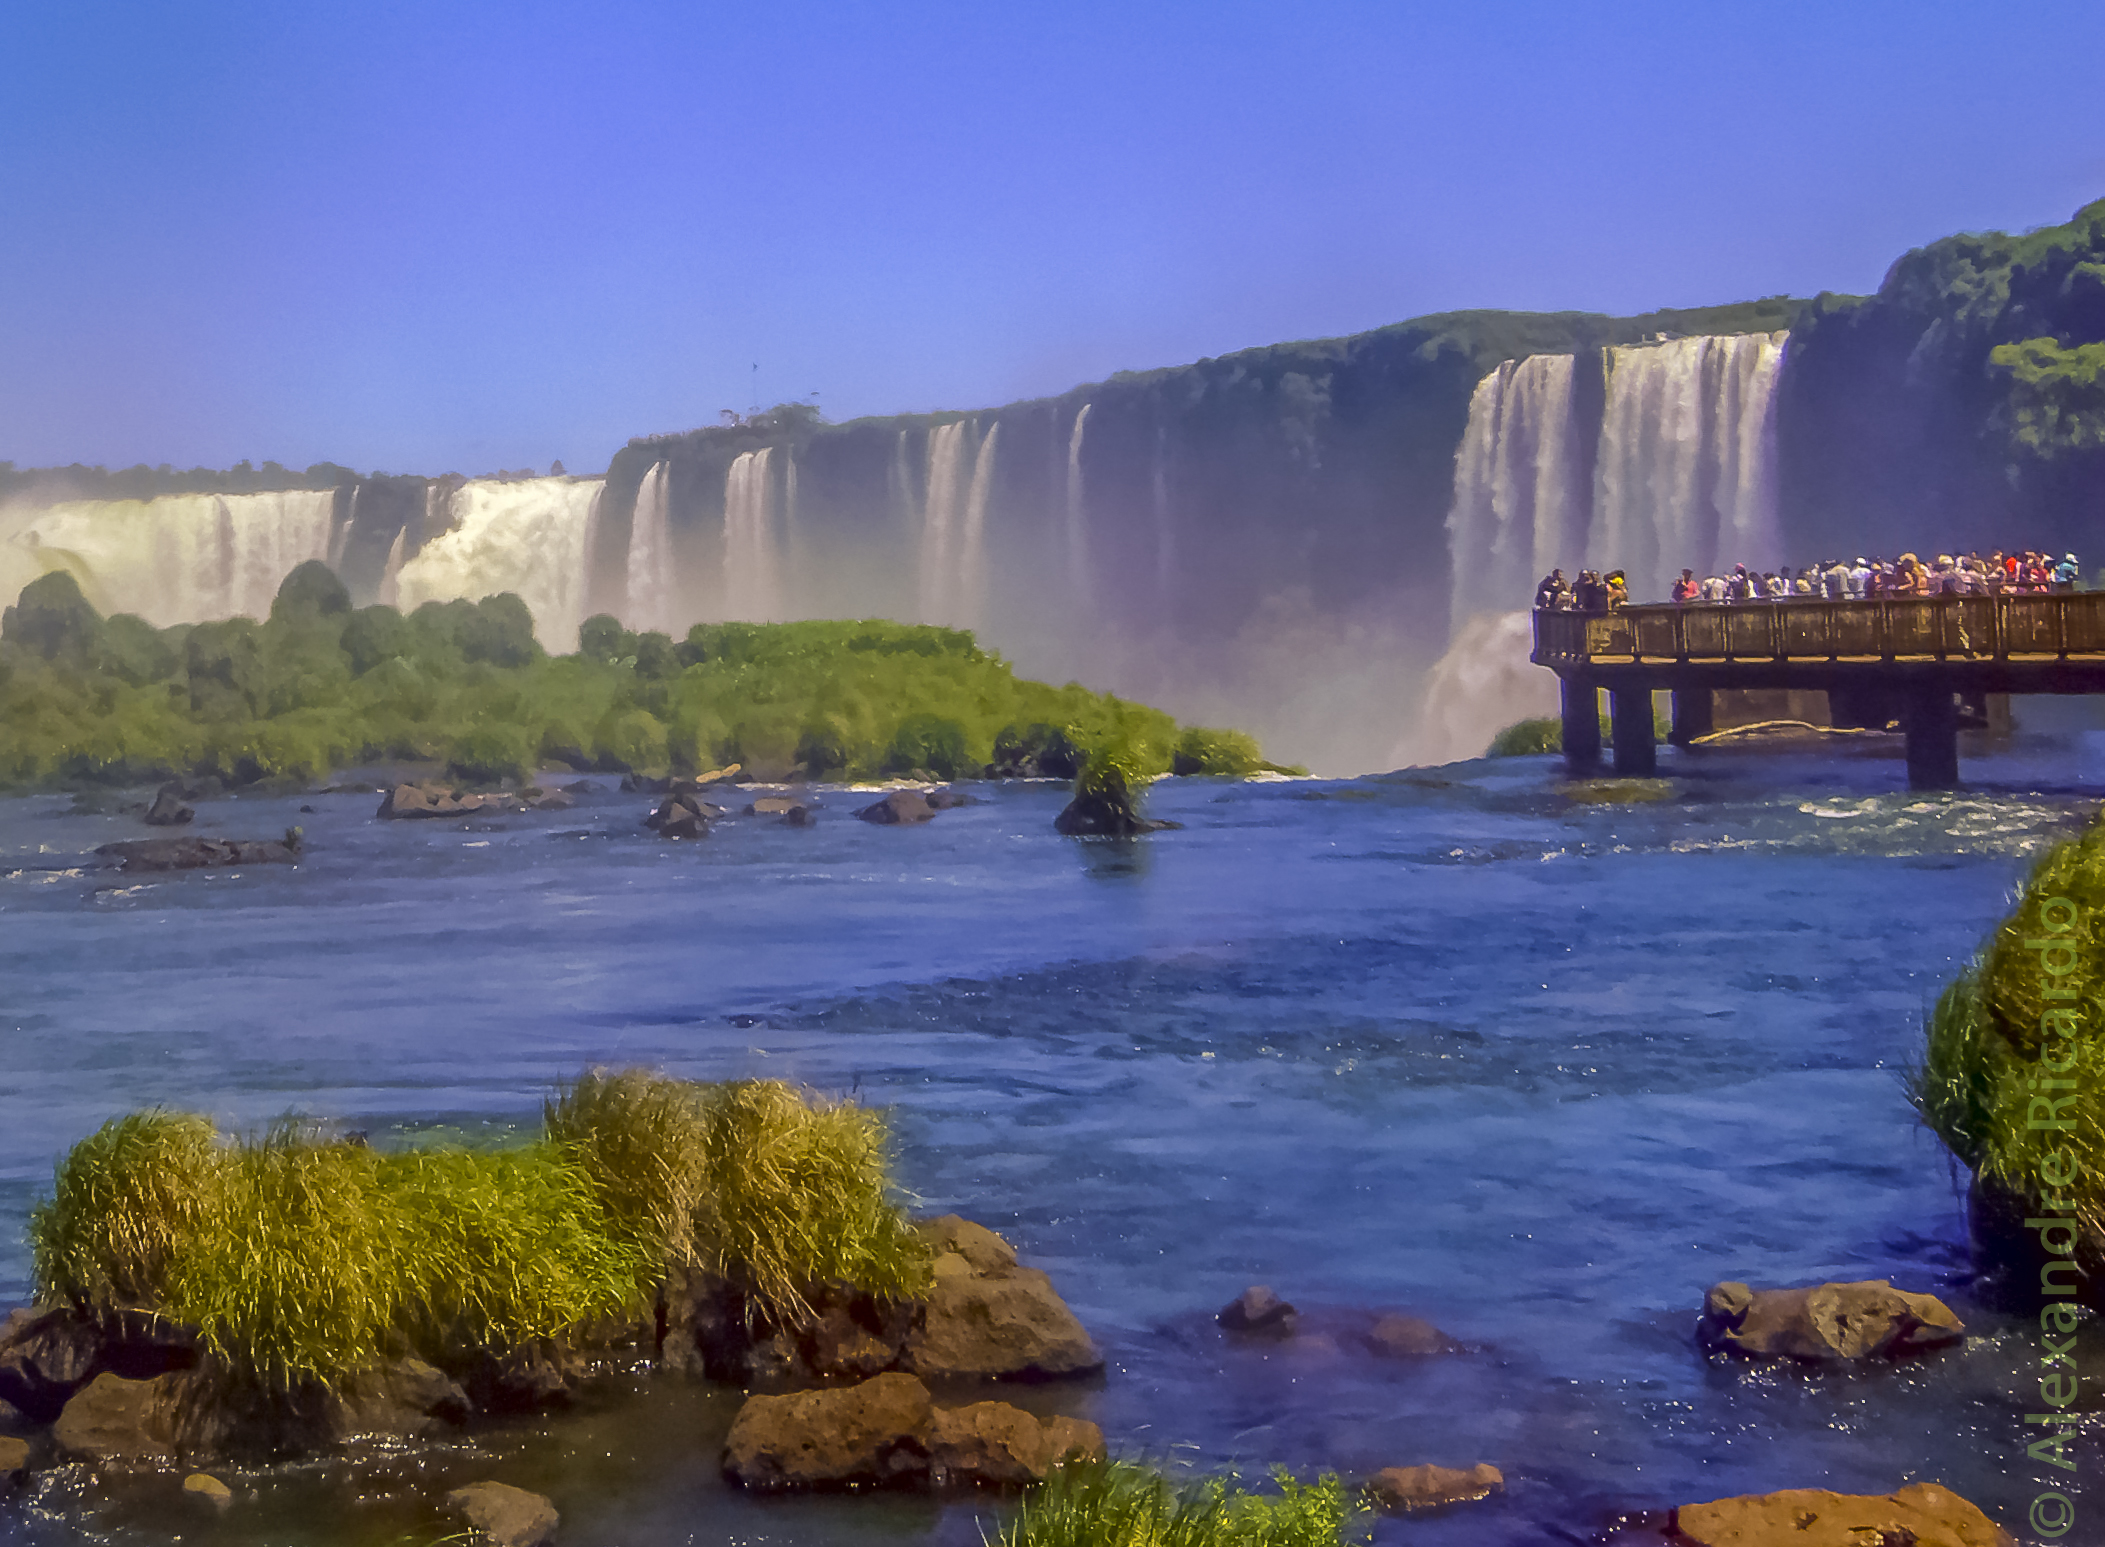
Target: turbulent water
{"x":1445,"y":1042}
{"x":528,"y":536}
{"x":181,"y":558}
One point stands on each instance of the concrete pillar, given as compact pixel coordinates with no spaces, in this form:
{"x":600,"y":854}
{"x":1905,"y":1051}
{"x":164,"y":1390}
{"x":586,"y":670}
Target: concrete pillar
{"x":1930,"y":717}
{"x":1630,"y":717}
{"x":1582,"y":725}
{"x":1692,"y":715}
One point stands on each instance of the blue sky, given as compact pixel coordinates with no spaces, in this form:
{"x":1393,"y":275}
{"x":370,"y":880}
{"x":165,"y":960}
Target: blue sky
{"x":468,"y":236}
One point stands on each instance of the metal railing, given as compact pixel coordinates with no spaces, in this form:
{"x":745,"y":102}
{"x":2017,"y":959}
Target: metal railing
{"x":1898,"y":628}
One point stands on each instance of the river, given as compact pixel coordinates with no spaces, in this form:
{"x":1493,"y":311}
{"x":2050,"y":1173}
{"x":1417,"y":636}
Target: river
{"x":1445,"y":1041}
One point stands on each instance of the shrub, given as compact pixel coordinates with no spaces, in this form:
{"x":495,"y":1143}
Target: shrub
{"x":1528,"y":738}
{"x":930,"y":742}
{"x":492,"y":753}
{"x":128,"y":1200}
{"x":1230,"y":753}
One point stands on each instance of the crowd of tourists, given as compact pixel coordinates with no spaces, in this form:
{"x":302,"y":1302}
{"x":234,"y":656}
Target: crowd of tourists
{"x":1838,"y":580}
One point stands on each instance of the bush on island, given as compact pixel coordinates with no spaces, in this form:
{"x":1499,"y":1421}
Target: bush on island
{"x":84,"y":699}
{"x":1229,"y":753}
{"x":1528,"y":738}
{"x":1126,"y":1504}
{"x":2012,"y":1078}
{"x":299,"y":1256}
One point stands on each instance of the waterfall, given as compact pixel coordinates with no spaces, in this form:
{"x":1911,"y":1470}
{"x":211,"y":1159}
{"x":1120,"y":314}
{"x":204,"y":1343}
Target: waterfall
{"x":1519,"y":506}
{"x":1077,"y":523}
{"x":650,"y":595}
{"x":390,"y":594}
{"x":1687,"y":471}
{"x":527,"y":536}
{"x":342,"y":540}
{"x":183,"y":558}
{"x":752,"y":546}
{"x":940,"y":518}
{"x":971,"y":577}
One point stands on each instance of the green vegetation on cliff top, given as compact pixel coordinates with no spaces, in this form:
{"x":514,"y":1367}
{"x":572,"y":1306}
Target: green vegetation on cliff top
{"x":299,"y":1255}
{"x":321,"y":685}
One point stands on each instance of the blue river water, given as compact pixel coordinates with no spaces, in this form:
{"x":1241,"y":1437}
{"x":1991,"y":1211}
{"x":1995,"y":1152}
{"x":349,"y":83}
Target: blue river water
{"x":1452,"y":1042}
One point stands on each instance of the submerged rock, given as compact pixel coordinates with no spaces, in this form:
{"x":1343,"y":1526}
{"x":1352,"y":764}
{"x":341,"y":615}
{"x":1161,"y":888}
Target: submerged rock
{"x":203,"y":853}
{"x":1096,"y":816}
{"x":1866,"y":1320}
{"x":208,"y":1489}
{"x":1409,"y":1337}
{"x":899,"y":809}
{"x":503,"y":1516}
{"x":1257,"y":1309}
{"x":14,"y":1459}
{"x":48,"y":1354}
{"x":874,"y":1434}
{"x":1919,"y":1515}
{"x":1405,"y":1488}
{"x":168,"y":809}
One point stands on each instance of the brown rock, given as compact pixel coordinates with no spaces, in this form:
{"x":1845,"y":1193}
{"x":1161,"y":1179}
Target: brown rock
{"x":168,"y":809}
{"x":875,"y":1433}
{"x":539,"y":799}
{"x":1007,"y":1327}
{"x":202,"y":853}
{"x":982,"y":1250}
{"x":950,"y":800}
{"x":503,"y":1516}
{"x":14,"y":1459}
{"x":898,"y":809}
{"x":775,"y":805}
{"x":1919,"y":1515}
{"x":1867,"y":1320}
{"x":48,"y":1354}
{"x":209,"y":1489}
{"x":114,"y":1419}
{"x":1404,"y":1488}
{"x":404,"y":801}
{"x":995,"y":1443}
{"x":406,"y":1399}
{"x":1409,"y":1337}
{"x":1257,"y":1309}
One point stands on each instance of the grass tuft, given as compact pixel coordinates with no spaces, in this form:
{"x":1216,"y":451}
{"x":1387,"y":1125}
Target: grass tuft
{"x":1125,"y":1504}
{"x":129,"y":1201}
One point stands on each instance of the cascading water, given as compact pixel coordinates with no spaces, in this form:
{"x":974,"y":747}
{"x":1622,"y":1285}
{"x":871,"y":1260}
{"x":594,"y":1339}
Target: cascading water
{"x":1687,"y":471}
{"x":649,"y":577}
{"x":752,"y":545}
{"x":529,"y":536}
{"x":181,"y":558}
{"x":342,"y":540}
{"x":1077,"y":519}
{"x":390,"y":594}
{"x":941,"y":516}
{"x":1519,"y":502}
{"x":970,"y":594}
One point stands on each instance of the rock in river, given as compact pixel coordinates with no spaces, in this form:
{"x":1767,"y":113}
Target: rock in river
{"x":1002,"y":1445}
{"x":500,"y":1515}
{"x":203,"y":853}
{"x":876,"y":1433}
{"x":1405,"y":1488}
{"x":988,"y":1318}
{"x":1867,"y":1320}
{"x":1919,"y":1515}
{"x":168,"y":809}
{"x":899,"y":809}
{"x":1257,"y":1309}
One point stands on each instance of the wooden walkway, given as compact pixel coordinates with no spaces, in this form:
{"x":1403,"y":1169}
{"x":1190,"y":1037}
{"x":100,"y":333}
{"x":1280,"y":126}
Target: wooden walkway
{"x":1911,"y":659}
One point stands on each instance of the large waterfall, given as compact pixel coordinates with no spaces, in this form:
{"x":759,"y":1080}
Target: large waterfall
{"x":1683,"y":476}
{"x":650,"y":589}
{"x":530,"y":536}
{"x":942,"y":516}
{"x":180,"y":558}
{"x":752,"y":588}
{"x":1519,"y":493}
{"x":1077,"y":512}
{"x":1687,"y":470}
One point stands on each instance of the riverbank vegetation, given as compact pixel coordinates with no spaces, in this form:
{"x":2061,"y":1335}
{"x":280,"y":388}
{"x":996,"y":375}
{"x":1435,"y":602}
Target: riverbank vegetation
{"x":1126,"y":1504}
{"x":299,"y":1254}
{"x":320,"y":685}
{"x":2023,"y":1012}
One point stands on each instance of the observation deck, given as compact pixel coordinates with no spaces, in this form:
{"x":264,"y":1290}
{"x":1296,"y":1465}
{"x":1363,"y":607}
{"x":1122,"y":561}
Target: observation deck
{"x":1905,"y":658}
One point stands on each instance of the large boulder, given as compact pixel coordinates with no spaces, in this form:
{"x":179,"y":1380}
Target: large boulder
{"x":988,"y":1318}
{"x":1099,"y":816}
{"x":1827,"y":1322}
{"x":682,"y":815}
{"x":1919,"y":1515}
{"x":1401,"y":1489}
{"x":14,"y":1460}
{"x":168,"y":809}
{"x":49,"y":1353}
{"x":500,"y":1515}
{"x":202,"y":853}
{"x":1003,"y":1446}
{"x":874,"y":1434}
{"x":901,"y":808}
{"x":114,"y":1419}
{"x":406,"y":1399}
{"x":1258,"y":1309}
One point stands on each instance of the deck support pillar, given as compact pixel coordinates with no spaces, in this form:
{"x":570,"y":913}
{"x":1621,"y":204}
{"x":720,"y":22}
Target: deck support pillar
{"x":1693,"y":716}
{"x":1930,"y":717}
{"x":1630,"y":717}
{"x":1582,"y":725}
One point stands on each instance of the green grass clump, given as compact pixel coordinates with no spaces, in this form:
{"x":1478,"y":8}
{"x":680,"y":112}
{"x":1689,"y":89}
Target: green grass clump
{"x":1528,"y":738}
{"x":1983,"y":1043}
{"x":1231,"y":754}
{"x":302,"y":1256}
{"x":1124,"y":1504}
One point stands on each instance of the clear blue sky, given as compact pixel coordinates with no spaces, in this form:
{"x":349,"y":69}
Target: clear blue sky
{"x":466,"y":236}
